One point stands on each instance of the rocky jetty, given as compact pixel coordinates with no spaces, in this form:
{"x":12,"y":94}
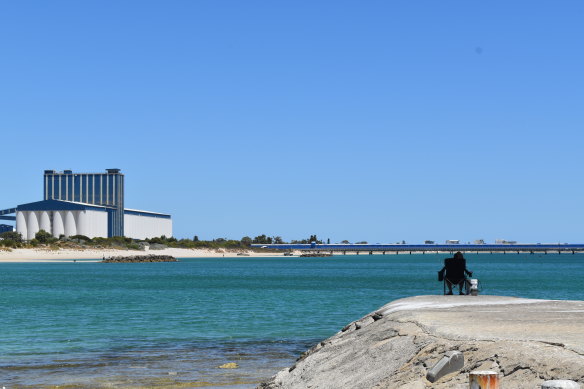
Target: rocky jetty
{"x":315,"y":255}
{"x":526,"y":341}
{"x":140,"y":258}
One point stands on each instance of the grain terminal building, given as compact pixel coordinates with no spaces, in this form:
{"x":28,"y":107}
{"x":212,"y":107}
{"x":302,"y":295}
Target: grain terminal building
{"x":90,"y":204}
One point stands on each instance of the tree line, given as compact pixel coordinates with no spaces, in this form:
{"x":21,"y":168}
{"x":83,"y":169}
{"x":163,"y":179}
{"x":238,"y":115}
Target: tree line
{"x":12,"y":239}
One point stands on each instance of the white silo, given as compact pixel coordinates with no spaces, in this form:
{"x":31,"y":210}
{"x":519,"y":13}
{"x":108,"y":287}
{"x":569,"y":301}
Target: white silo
{"x":70,"y":227}
{"x":32,"y":225}
{"x":45,"y":221}
{"x":58,"y":225}
{"x":21,"y":224}
{"x":82,"y":223}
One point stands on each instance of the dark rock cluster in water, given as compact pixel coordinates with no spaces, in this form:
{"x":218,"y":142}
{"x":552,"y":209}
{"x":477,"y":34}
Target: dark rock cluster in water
{"x":140,"y":258}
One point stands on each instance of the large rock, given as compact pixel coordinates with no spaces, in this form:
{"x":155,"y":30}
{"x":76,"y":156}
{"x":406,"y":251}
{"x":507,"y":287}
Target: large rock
{"x":140,"y":258}
{"x":526,"y":341}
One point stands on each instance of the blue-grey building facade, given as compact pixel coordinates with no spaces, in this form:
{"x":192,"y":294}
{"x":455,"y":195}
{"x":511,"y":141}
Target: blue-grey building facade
{"x":5,"y":228}
{"x":105,"y":189}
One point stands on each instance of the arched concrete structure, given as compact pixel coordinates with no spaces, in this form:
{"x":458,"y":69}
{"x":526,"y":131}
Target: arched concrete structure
{"x":66,"y":218}
{"x":32,"y":225}
{"x":70,"y":227}
{"x":58,"y":225}
{"x":45,"y":221}
{"x":21,"y":224}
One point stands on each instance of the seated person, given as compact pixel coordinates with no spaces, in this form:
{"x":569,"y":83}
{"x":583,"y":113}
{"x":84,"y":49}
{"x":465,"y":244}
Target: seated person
{"x":454,"y":270}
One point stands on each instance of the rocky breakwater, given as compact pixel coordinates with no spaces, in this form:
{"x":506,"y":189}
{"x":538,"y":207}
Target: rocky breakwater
{"x":526,"y":341}
{"x":140,"y":258}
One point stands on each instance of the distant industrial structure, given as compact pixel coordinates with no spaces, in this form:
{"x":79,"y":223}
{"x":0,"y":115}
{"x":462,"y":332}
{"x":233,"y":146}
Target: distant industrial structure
{"x":504,"y":241}
{"x":5,"y":228}
{"x":340,"y":248}
{"x":90,"y":204}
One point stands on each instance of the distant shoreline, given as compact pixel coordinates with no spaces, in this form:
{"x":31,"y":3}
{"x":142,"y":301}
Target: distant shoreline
{"x":67,"y":255}
{"x":40,"y":255}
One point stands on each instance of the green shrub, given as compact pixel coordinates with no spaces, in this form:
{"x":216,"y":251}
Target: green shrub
{"x":80,"y":237}
{"x":134,"y":246}
{"x":43,"y":237}
{"x":11,"y":235}
{"x":7,"y":243}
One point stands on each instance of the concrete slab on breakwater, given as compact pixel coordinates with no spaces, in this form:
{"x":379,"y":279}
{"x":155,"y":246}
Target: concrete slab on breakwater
{"x":527,"y":341}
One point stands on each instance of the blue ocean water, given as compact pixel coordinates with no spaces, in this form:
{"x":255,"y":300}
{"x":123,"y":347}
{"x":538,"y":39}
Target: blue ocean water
{"x":170,"y":325}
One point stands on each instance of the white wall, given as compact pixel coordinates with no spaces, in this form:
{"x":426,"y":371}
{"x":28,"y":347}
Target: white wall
{"x":96,"y":224}
{"x":88,"y":223}
{"x":142,"y":227}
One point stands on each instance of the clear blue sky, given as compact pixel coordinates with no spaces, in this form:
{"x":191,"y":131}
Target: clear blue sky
{"x":378,"y":120}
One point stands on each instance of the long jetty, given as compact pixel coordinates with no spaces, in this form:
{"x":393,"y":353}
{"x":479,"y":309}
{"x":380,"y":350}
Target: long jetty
{"x":546,"y":248}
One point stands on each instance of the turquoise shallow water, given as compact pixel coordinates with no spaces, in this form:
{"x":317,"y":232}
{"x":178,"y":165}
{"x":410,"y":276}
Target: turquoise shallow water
{"x":172,"y":324}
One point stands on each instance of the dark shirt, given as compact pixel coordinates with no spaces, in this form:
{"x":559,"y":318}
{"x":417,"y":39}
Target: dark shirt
{"x":455,"y":269}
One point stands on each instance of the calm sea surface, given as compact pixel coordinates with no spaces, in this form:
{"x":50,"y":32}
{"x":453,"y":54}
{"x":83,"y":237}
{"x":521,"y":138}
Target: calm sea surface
{"x":170,"y":325}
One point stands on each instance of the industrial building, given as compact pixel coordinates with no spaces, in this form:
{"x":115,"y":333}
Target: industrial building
{"x":5,"y":228}
{"x":90,"y":204}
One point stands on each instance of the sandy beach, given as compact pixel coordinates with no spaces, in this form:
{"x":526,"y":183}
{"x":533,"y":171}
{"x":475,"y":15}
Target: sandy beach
{"x":67,"y":255}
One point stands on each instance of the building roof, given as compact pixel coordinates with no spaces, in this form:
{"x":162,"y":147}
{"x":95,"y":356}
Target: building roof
{"x":59,"y":205}
{"x":63,"y":205}
{"x":145,"y":213}
{"x":69,"y":172}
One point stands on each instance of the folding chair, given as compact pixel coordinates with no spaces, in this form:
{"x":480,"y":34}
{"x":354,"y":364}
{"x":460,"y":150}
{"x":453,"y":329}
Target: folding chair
{"x":465,"y":288}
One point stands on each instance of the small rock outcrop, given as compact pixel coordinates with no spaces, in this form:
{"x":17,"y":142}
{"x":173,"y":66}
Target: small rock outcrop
{"x":140,"y":258}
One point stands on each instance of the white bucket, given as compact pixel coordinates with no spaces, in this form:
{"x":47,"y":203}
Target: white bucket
{"x":474,"y":287}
